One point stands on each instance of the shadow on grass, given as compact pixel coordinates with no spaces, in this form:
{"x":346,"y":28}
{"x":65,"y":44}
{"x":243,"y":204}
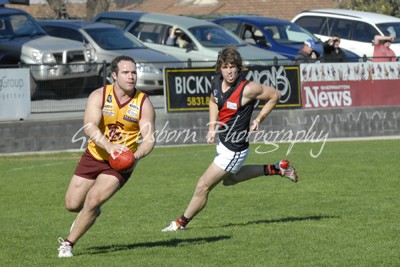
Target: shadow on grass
{"x":165,"y":243}
{"x":282,"y":220}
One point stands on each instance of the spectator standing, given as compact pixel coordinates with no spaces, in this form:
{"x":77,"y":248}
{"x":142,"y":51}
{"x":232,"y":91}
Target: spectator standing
{"x":307,"y":53}
{"x":332,"y":50}
{"x":382,"y":51}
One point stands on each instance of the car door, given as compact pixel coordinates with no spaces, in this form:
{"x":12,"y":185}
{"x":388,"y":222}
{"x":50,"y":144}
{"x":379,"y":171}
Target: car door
{"x":154,"y":35}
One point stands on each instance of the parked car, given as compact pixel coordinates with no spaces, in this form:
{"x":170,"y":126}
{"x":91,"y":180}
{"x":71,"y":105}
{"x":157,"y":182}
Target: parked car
{"x":109,"y":42}
{"x":355,"y":28}
{"x":204,"y":39}
{"x":277,"y":35}
{"x":66,"y":63}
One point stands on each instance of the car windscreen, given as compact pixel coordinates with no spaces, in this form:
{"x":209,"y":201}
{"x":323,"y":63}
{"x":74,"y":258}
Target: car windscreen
{"x":210,"y":36}
{"x":391,"y":29}
{"x":18,"y":25}
{"x":114,"y":39}
{"x":289,"y":33}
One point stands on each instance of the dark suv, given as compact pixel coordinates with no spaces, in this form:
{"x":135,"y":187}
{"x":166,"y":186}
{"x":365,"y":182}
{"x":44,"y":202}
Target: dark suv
{"x":50,"y":59}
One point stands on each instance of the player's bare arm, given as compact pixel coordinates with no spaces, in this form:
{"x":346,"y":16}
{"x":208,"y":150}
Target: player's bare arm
{"x":213,"y":115}
{"x":92,"y":118}
{"x":261,"y":92}
{"x":147,"y":127}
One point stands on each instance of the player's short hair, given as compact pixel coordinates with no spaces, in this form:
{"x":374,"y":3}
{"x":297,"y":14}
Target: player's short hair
{"x":229,"y":55}
{"x":114,"y":63}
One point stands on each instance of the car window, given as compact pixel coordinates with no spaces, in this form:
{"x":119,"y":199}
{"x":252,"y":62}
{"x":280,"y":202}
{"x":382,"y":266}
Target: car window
{"x":181,"y":39}
{"x":231,"y":25}
{"x":363,"y":32}
{"x":210,"y":36}
{"x":148,"y":32}
{"x":274,"y":32}
{"x":391,"y":29}
{"x":339,"y":27}
{"x":20,"y":24}
{"x":285,"y":34}
{"x":113,"y":39}
{"x":4,"y":29}
{"x":251,"y":34}
{"x":313,"y":24}
{"x":64,"y":33}
{"x":121,"y":23}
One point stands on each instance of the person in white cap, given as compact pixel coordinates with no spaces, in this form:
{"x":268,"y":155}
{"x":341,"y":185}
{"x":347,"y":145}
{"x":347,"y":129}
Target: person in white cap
{"x":307,"y":53}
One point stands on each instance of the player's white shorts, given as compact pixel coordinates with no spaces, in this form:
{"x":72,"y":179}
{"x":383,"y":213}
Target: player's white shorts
{"x":228,"y":160}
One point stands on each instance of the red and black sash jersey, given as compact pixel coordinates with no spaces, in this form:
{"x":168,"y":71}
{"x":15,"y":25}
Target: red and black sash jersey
{"x":234,"y":119}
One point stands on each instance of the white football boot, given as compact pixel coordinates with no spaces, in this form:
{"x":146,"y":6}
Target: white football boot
{"x":173,"y":227}
{"x":65,"y":249}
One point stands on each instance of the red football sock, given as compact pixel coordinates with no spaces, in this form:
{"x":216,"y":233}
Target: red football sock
{"x":182,"y":220}
{"x":271,"y":170}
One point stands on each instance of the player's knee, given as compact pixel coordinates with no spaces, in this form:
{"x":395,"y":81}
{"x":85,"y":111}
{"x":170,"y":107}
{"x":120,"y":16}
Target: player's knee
{"x":202,"y":189}
{"x":93,"y":202}
{"x":72,"y":206}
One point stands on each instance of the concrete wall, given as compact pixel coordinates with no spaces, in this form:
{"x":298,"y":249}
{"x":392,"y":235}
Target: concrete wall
{"x":172,"y":129}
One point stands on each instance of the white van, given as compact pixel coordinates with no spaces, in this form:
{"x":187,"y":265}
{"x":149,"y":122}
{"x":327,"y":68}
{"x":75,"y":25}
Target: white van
{"x":355,"y":28}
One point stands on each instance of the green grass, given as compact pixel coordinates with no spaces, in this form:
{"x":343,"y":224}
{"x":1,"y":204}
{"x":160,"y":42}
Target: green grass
{"x":343,"y":212}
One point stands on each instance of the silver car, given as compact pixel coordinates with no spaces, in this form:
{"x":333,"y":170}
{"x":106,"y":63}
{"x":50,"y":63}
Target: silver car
{"x":204,"y":39}
{"x":109,"y":42}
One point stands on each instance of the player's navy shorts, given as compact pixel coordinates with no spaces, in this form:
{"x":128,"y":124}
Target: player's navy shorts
{"x":89,"y":168}
{"x":230,"y":161}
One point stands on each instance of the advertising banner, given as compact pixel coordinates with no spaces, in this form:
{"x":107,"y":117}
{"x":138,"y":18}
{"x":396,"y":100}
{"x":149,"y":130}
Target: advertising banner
{"x":15,"y":94}
{"x":190,"y":89}
{"x":341,"y":85}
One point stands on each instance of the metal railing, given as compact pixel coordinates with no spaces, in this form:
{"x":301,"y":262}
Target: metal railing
{"x":69,"y":95}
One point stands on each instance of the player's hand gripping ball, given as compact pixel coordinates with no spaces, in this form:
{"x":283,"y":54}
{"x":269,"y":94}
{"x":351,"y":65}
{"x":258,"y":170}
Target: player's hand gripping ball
{"x":123,"y":161}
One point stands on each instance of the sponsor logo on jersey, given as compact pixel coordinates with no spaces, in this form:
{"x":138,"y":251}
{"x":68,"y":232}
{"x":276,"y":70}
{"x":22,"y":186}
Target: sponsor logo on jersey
{"x":108,"y":106}
{"x":108,"y":113}
{"x":132,"y":113}
{"x":109,"y":98}
{"x":133,"y":106}
{"x":231,"y":105}
{"x":127,"y":118}
{"x":215,"y":92}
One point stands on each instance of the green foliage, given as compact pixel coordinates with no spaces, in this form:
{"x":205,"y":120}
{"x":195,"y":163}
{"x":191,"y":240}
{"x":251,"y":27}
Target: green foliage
{"x":388,"y":7}
{"x":343,"y":212}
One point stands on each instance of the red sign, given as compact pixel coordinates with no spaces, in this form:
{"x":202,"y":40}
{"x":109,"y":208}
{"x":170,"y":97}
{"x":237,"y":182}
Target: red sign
{"x":350,"y":94}
{"x":353,"y":92}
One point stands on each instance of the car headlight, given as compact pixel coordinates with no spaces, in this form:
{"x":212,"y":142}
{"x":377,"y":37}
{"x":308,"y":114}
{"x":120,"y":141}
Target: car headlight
{"x":45,"y":58}
{"x":48,"y":58}
{"x":147,"y":68}
{"x":90,"y":53}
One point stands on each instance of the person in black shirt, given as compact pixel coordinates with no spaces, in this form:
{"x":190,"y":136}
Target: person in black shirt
{"x":332,"y":50}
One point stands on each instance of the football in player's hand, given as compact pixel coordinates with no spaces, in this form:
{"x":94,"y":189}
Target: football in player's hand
{"x":123,"y":161}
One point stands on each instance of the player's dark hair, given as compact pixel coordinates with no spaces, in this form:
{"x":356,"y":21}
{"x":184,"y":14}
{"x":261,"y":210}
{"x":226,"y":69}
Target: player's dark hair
{"x":114,"y":63}
{"x":229,"y":55}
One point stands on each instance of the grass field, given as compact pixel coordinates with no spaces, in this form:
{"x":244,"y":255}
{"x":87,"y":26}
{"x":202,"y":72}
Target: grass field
{"x":343,"y":212}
